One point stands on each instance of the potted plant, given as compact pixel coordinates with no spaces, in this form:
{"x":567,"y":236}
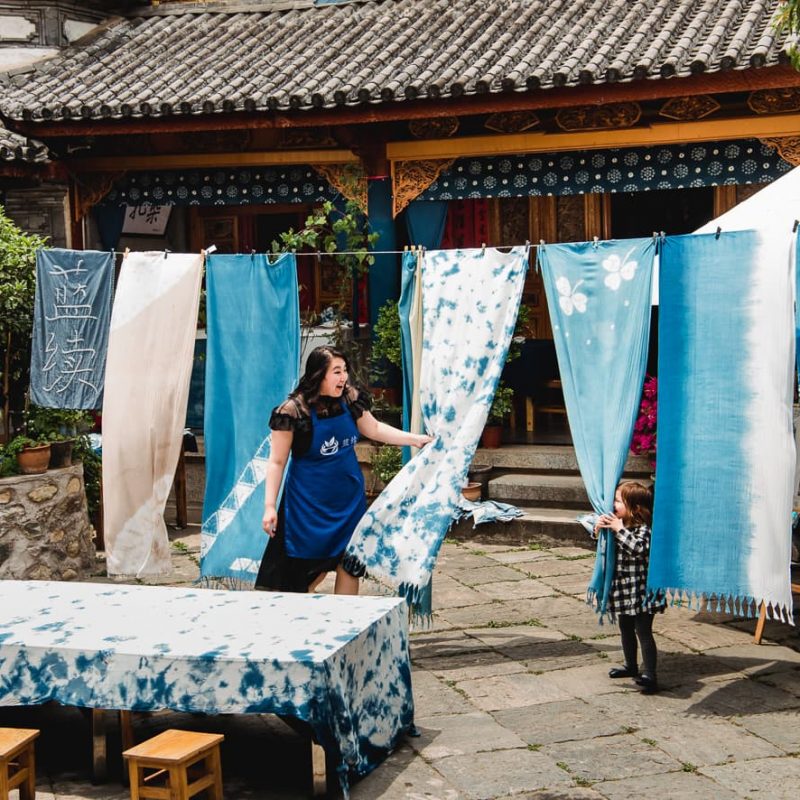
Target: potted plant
{"x":58,"y":426}
{"x":387,"y":461}
{"x":498,"y":413}
{"x":33,"y":455}
{"x":386,"y":350}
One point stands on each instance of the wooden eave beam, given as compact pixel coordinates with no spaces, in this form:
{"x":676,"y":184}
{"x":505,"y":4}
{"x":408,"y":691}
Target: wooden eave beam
{"x":657,"y":134}
{"x":590,"y":94}
{"x":212,"y":160}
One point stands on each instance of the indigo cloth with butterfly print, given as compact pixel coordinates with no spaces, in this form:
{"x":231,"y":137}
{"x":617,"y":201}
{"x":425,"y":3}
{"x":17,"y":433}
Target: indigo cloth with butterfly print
{"x":251,"y":365}
{"x":598,"y":295}
{"x":725,"y":467}
{"x":470,"y":300}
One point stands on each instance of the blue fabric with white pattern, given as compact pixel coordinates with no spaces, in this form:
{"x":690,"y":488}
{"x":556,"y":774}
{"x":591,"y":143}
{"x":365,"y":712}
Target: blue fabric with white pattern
{"x":598,"y":295}
{"x":470,"y":300}
{"x":252,"y":361}
{"x":339,"y":663}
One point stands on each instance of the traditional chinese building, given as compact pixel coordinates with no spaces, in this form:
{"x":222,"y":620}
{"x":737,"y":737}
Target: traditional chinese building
{"x":452,"y":122}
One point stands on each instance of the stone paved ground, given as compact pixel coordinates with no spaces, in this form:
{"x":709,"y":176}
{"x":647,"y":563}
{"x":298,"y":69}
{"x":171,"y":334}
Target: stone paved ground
{"x":513,"y":699}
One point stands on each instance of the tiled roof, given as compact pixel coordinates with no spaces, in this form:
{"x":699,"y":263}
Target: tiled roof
{"x":14,"y":147}
{"x":187,"y":58}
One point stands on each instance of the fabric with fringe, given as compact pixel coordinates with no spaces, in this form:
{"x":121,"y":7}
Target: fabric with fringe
{"x":251,"y":365}
{"x":470,"y":300}
{"x":725,"y":466}
{"x":598,"y":295}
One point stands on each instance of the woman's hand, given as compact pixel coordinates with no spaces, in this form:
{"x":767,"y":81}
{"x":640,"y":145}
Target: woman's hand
{"x":270,"y":520}
{"x":610,"y":521}
{"x":421,"y":439}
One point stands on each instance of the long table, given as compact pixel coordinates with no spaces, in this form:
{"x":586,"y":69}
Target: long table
{"x":341,"y":664}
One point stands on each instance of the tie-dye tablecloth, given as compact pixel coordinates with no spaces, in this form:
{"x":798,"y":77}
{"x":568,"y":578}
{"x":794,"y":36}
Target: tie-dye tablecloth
{"x":339,"y":663}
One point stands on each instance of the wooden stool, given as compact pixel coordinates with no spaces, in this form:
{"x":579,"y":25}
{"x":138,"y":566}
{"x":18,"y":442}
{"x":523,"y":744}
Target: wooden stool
{"x":173,"y":754}
{"x":17,"y":762}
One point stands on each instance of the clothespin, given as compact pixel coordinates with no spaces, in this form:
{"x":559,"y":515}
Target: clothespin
{"x":595,"y":241}
{"x":718,"y":232}
{"x":126,"y":253}
{"x":166,"y":253}
{"x":405,"y":248}
{"x":794,"y":226}
{"x":212,"y":248}
{"x":483,"y":248}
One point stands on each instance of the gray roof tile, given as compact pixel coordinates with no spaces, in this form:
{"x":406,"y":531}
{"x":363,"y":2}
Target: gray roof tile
{"x":14,"y":147}
{"x":275,"y":55}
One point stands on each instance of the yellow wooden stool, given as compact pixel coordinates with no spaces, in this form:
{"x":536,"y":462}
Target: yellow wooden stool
{"x":175,"y":756}
{"x":17,"y":762}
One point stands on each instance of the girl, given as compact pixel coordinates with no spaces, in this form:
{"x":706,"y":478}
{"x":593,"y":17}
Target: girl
{"x":323,"y":497}
{"x":629,"y":599}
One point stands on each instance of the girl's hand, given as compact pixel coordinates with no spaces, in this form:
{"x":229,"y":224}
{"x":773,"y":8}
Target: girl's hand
{"x":270,"y":521}
{"x":610,"y":521}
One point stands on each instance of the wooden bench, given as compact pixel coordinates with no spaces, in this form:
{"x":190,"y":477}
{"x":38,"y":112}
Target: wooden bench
{"x":176,"y":756}
{"x":18,"y":762}
{"x":762,"y":616}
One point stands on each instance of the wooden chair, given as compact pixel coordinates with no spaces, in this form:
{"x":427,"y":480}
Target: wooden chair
{"x":18,"y":762}
{"x":762,"y":616}
{"x":553,"y":405}
{"x":176,"y":756}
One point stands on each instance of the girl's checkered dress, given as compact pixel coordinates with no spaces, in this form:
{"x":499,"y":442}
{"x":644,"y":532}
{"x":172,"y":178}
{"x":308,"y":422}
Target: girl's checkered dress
{"x":629,"y":586}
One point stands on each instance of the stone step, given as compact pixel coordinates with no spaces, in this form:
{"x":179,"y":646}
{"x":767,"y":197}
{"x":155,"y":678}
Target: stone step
{"x":545,"y":490}
{"x":537,"y":525}
{"x":543,"y":458}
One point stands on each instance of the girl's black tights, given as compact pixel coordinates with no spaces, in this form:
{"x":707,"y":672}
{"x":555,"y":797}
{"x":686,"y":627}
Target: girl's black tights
{"x":639,"y":626}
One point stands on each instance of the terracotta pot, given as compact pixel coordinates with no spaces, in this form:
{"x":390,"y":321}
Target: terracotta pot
{"x":34,"y":460}
{"x":492,"y":436}
{"x":61,"y":454}
{"x":472,"y":491}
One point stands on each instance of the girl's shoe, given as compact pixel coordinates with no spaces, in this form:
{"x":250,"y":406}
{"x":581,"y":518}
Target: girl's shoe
{"x":623,"y":672}
{"x":648,"y":683}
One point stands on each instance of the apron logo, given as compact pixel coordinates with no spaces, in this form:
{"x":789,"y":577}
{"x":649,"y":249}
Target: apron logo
{"x":330,"y":447}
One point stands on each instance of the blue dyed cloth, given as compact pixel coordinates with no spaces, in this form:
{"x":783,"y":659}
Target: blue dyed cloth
{"x":71,"y":320}
{"x":470,"y":300}
{"x":598,"y":294}
{"x":339,"y":663}
{"x":251,"y":365}
{"x":725,"y":467}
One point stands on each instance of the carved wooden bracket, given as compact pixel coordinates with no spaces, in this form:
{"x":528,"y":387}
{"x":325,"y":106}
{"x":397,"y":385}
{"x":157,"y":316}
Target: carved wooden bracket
{"x":90,"y":189}
{"x":787,"y":146}
{"x":411,"y":178}
{"x":588,"y":118}
{"x":349,"y":179}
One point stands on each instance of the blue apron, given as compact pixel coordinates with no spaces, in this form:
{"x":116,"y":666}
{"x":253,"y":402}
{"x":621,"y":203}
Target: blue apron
{"x":324,"y":493}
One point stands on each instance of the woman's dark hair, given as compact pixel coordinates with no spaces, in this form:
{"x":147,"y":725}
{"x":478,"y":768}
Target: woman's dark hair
{"x":319,"y":359}
{"x":638,"y":499}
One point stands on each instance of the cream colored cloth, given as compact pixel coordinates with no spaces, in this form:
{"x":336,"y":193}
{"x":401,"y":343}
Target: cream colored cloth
{"x":149,"y":365}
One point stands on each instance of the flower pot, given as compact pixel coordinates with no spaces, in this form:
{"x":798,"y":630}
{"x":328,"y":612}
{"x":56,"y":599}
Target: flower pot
{"x":61,"y":454}
{"x":492,"y":436}
{"x":472,"y":491}
{"x":34,"y":460}
{"x":479,"y":473}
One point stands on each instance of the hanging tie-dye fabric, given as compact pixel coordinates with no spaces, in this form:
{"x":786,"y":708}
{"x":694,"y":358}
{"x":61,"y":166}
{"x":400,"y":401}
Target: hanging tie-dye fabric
{"x":71,"y":317}
{"x":470,"y":300}
{"x":149,"y":366}
{"x":251,"y":365}
{"x":598,"y":294}
{"x":725,"y":466}
{"x":409,"y":310}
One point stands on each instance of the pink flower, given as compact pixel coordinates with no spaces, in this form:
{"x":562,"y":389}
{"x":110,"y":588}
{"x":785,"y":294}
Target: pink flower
{"x":643,"y":441}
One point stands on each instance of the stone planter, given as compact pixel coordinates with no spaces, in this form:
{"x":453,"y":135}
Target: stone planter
{"x":44,"y":527}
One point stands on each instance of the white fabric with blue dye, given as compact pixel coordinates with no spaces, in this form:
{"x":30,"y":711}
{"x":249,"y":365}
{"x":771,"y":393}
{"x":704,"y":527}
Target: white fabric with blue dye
{"x":598,"y":295}
{"x":470,"y":300}
{"x":252,"y":362}
{"x":339,"y":663}
{"x":725,"y":466}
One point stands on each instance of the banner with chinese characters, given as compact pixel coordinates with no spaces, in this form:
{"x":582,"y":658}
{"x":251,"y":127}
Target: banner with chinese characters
{"x":70,"y":327}
{"x":144,"y":410}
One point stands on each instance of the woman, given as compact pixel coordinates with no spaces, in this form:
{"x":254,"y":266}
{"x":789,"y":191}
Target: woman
{"x":323,"y":497}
